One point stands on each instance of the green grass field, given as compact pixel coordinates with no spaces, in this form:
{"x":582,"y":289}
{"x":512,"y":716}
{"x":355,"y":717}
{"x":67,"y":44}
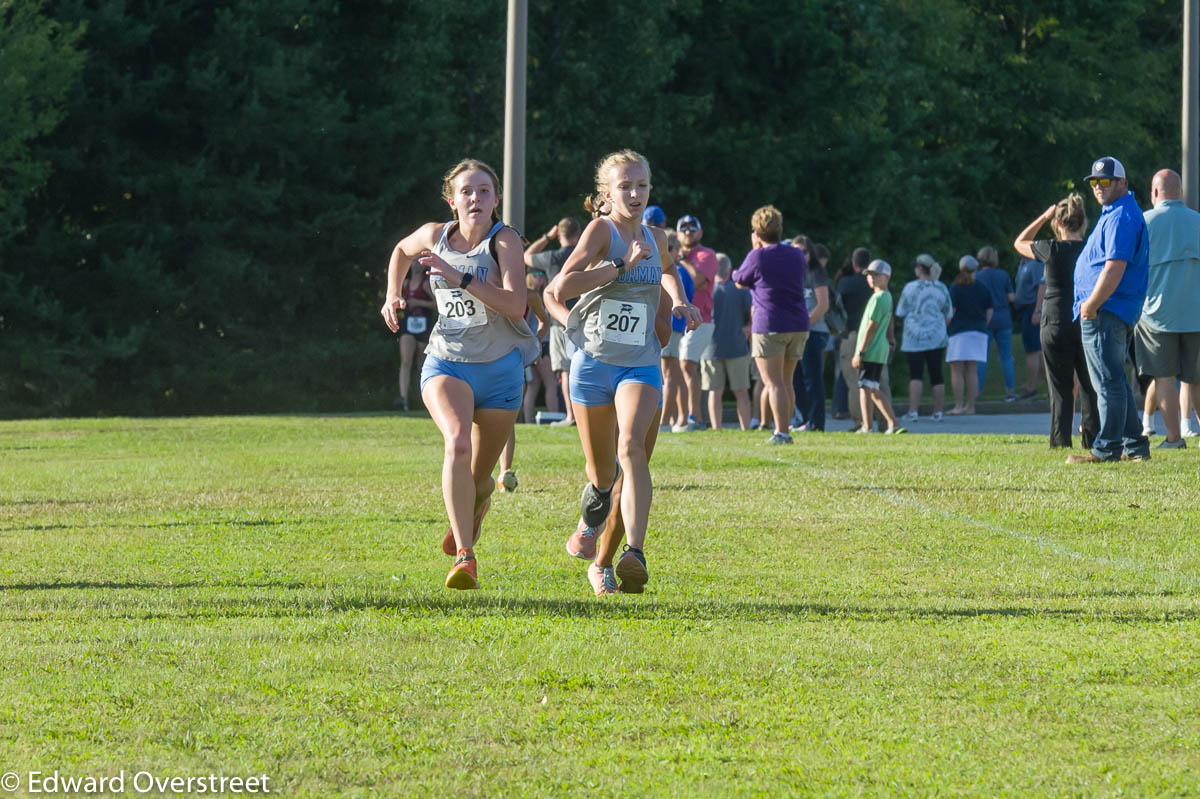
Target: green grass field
{"x":852,"y":615}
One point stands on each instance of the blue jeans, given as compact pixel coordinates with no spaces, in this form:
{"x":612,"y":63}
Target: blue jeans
{"x":1105,"y":344}
{"x":1003,"y":339}
{"x":809,"y":382}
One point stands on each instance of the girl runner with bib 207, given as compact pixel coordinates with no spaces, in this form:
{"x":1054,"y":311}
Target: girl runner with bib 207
{"x":618,"y":272}
{"x":474,"y":369}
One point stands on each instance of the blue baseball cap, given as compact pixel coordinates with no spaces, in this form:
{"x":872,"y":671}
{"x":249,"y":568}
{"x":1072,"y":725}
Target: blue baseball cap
{"x":1107,"y":167}
{"x":688,"y":222}
{"x":654,"y":216}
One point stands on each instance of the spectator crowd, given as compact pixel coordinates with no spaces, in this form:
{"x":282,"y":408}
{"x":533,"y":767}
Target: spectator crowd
{"x":780,"y":335}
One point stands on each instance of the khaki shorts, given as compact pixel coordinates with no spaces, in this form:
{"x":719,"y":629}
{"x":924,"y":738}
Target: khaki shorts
{"x":1163,"y":354}
{"x":695,"y":342}
{"x":672,"y":348}
{"x":768,"y":345}
{"x":560,"y":358}
{"x":734,"y":371}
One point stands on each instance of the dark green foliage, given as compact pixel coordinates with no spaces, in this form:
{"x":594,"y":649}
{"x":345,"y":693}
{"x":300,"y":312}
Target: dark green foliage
{"x":199,"y":199}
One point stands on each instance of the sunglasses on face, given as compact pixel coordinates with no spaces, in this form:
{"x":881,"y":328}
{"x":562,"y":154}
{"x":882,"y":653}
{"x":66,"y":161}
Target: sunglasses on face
{"x":1104,"y":183}
{"x":688,"y":229}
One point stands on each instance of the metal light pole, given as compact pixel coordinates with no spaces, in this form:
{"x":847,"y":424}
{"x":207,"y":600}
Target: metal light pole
{"x":514,"y":115}
{"x":1191,"y":104}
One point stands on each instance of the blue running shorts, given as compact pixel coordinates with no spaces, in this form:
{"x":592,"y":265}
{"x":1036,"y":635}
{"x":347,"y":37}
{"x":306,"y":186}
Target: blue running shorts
{"x":496,"y":384}
{"x":595,"y":382}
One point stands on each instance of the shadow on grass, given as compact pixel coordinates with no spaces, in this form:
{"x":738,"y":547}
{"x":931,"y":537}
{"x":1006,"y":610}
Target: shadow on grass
{"x":313,"y":600}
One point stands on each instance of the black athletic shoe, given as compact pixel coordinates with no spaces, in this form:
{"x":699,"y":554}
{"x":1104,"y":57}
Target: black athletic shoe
{"x":594,"y":505}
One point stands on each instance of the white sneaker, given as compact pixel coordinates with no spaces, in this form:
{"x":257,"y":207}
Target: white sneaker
{"x":937,"y":416}
{"x":679,"y":428}
{"x":1190,"y":432}
{"x":911,"y":416}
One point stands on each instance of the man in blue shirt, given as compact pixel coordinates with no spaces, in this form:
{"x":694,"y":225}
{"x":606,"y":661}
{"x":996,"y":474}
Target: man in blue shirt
{"x":1167,"y":338}
{"x":1110,"y":286}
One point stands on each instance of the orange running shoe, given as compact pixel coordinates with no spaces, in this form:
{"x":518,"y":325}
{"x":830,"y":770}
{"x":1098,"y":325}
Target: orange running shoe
{"x":582,"y":542}
{"x":463,"y":575}
{"x":450,"y":546}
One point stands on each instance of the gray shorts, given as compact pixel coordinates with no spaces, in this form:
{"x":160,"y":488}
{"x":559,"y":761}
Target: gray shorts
{"x":1163,"y":354}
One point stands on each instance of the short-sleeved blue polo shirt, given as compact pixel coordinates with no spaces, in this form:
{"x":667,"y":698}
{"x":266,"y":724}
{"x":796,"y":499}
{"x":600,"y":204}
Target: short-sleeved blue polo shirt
{"x":1120,"y":234}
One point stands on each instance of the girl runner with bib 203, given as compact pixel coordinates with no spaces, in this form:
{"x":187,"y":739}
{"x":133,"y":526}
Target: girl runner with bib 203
{"x":618,"y":272}
{"x":474,"y":370}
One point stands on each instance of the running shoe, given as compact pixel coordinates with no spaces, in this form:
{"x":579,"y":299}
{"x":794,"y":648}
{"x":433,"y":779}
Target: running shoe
{"x":582,"y":543}
{"x":863,"y":430}
{"x":1178,"y":444}
{"x":603,"y":580}
{"x":1011,"y":398}
{"x":779,"y":438}
{"x":1190,"y":432}
{"x":463,"y":574}
{"x":937,"y":416}
{"x":508,"y":481}
{"x":892,"y":431}
{"x":448,"y":544}
{"x":595,"y":504}
{"x":693,"y":424}
{"x":631,"y":569}
{"x":911,"y":416}
{"x":679,"y":428}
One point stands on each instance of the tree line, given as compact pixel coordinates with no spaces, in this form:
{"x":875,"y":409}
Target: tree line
{"x":199,"y":199}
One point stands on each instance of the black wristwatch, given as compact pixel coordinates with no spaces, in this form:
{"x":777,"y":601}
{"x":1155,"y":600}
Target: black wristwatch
{"x":619,"y":263}
{"x":466,"y":281}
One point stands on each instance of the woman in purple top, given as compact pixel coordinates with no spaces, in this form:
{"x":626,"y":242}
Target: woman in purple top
{"x":775,"y":275}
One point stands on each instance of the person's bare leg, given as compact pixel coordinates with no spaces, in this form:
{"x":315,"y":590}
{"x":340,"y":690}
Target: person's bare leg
{"x":972,"y":390}
{"x":1189,"y":401}
{"x":1033,"y":371}
{"x":615,"y":528}
{"x":408,"y":348}
{"x":789,"y":387}
{"x":691,"y":380}
{"x":771,"y":370}
{"x":939,"y":397}
{"x":1168,"y":404}
{"x":491,"y":434}
{"x":866,"y":407}
{"x":743,"y":407}
{"x":566,"y":392}
{"x":597,"y":433}
{"x":506,"y":454}
{"x":884,"y":404}
{"x":957,"y":378}
{"x":545,"y":374}
{"x":716,"y":411}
